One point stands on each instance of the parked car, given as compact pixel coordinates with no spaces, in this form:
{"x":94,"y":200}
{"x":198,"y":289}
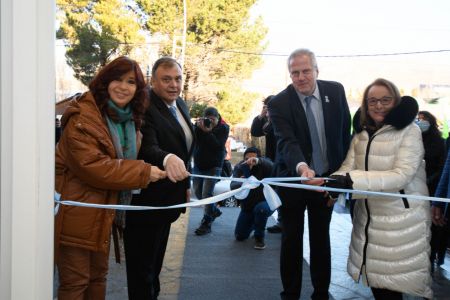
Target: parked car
{"x":222,"y":187}
{"x":237,"y":146}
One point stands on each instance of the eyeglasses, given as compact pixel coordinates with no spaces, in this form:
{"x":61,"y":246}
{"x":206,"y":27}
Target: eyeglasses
{"x":384,"y":101}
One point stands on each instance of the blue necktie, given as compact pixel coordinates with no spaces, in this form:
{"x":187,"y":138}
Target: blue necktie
{"x":173,"y":111}
{"x":317,"y":159}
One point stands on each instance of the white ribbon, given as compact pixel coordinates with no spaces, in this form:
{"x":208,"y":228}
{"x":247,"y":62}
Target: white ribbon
{"x":273,"y":200}
{"x":241,"y":193}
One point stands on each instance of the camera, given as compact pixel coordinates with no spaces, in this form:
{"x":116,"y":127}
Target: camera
{"x":207,"y":122}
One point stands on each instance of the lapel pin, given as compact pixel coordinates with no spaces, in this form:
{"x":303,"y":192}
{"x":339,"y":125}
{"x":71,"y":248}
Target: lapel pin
{"x":327,"y":100}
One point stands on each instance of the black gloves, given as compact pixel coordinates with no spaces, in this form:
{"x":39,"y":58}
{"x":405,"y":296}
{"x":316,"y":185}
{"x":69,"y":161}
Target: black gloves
{"x":339,"y":182}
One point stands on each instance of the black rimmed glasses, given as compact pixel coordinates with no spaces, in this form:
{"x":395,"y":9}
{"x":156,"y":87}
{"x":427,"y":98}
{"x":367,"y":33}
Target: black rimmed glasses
{"x":386,"y":100}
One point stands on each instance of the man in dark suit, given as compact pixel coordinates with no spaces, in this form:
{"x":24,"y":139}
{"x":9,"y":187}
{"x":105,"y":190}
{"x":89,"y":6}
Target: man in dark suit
{"x":311,"y":122}
{"x":167,"y":142}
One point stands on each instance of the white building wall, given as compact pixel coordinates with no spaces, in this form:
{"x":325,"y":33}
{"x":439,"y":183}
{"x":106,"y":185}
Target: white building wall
{"x":27,"y":84}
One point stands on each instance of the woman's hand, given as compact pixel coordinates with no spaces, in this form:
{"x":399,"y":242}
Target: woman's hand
{"x":157,"y":174}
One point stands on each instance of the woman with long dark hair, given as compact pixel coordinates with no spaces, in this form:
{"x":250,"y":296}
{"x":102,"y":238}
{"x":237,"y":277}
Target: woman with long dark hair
{"x":434,"y":157}
{"x":96,"y":163}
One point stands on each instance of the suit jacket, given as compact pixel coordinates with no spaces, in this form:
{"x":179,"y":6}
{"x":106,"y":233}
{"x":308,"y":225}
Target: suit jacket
{"x":162,"y":134}
{"x":292,"y":133}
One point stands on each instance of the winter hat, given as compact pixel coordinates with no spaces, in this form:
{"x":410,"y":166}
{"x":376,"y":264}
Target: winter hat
{"x":211,"y":111}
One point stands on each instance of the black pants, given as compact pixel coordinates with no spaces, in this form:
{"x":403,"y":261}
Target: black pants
{"x":319,"y":216}
{"x":145,"y":246}
{"x":383,"y":294}
{"x":439,"y":240}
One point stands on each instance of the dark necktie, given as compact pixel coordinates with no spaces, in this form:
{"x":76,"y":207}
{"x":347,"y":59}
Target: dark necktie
{"x":317,"y":159}
{"x":173,"y":111}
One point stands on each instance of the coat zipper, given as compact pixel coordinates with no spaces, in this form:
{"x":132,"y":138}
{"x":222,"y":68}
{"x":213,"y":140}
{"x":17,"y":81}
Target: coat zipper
{"x":405,"y":201}
{"x":366,"y":229}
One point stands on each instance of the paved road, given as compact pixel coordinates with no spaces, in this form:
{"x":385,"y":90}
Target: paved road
{"x":217,"y":267}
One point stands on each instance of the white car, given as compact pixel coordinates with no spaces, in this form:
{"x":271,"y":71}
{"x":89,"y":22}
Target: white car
{"x":237,"y":146}
{"x":221,"y":187}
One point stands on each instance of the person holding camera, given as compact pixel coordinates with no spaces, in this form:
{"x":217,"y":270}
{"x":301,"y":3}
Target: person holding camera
{"x":254,"y":208}
{"x":211,"y":134}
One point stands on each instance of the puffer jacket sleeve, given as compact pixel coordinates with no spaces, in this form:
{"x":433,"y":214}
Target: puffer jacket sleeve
{"x":349,"y":163}
{"x":88,"y":157}
{"x":407,"y":161}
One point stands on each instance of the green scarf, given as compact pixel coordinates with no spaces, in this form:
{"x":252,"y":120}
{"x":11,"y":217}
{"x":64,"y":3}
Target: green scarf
{"x":123,"y":134}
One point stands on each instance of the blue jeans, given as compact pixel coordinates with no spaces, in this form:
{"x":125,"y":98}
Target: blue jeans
{"x":203,"y":188}
{"x":252,"y":220}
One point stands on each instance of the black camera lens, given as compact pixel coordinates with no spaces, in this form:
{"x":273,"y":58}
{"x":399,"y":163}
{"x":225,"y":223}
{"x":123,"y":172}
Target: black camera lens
{"x":207,"y":122}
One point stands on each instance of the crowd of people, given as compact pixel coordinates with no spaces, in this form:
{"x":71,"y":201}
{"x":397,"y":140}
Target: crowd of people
{"x":127,"y":142}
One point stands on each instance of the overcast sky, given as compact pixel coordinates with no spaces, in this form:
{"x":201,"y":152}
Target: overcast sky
{"x":354,"y":27}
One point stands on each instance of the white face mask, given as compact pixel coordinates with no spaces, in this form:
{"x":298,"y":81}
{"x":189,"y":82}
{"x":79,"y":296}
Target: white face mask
{"x":423,"y":125}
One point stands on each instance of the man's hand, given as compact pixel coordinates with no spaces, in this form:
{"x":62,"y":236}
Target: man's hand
{"x":251,"y":162}
{"x":157,"y":174}
{"x":437,"y":217}
{"x":201,"y":124}
{"x":305,"y":171}
{"x":175,"y":168}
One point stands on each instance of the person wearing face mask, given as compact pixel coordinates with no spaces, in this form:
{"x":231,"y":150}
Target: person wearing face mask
{"x":390,"y":242}
{"x":434,"y":145}
{"x":435,"y":154}
{"x":96,"y":163}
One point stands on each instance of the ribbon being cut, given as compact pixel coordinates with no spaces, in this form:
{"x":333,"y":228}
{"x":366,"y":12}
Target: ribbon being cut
{"x":241,"y":193}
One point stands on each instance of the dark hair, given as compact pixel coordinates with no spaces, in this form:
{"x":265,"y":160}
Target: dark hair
{"x":434,"y":129}
{"x":252,"y":150}
{"x":113,"y":71}
{"x":268,"y":98}
{"x":165,"y":61}
{"x":211,"y":111}
{"x":365,"y":120}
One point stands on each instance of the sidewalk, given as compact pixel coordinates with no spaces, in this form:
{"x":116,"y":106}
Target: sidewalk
{"x":217,"y":267}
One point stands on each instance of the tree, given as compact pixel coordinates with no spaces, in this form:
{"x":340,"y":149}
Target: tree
{"x":95,"y":31}
{"x":233,"y":104}
{"x":222,"y":44}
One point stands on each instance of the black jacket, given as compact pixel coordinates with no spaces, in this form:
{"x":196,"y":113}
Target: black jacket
{"x":263,"y":127}
{"x":162,"y":134}
{"x":209,"y":151}
{"x":291,"y":127}
{"x":435,"y":154}
{"x":262,"y":170}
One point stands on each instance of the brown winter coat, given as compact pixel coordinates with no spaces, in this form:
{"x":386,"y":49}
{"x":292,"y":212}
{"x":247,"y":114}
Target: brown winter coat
{"x":87,"y":170}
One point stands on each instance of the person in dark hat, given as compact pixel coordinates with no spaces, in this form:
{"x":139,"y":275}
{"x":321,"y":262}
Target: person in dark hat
{"x":254,"y":209}
{"x":211,"y":134}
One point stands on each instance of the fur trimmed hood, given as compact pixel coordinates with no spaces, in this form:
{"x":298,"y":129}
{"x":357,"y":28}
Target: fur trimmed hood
{"x":400,"y":116}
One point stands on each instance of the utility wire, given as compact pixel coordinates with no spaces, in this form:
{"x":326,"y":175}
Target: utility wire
{"x":342,"y":55}
{"x":285,"y":55}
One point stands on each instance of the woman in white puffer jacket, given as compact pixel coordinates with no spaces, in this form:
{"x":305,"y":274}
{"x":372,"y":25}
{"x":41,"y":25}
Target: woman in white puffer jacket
{"x":390,"y":242}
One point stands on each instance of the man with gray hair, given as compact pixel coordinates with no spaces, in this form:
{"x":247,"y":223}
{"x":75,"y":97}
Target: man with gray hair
{"x":311,"y":121}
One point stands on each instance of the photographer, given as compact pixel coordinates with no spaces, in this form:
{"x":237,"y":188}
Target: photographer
{"x":254,"y":208}
{"x":211,"y":134}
